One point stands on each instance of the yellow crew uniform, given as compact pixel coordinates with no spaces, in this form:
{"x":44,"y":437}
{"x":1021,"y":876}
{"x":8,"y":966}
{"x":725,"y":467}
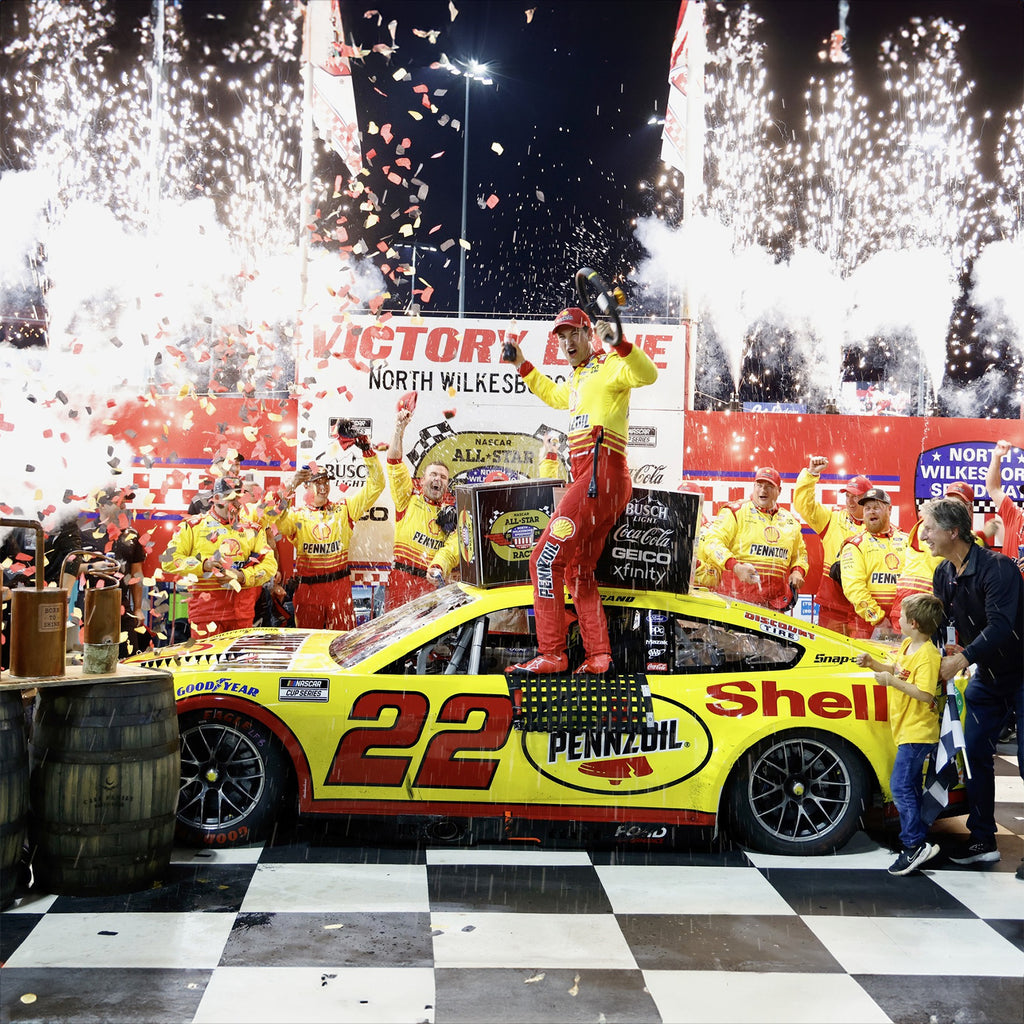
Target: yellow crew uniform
{"x":772,"y":542}
{"x":870,"y":565}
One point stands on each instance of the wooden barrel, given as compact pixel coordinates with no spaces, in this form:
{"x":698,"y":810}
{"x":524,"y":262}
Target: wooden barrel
{"x":104,"y":785}
{"x":13,"y":791}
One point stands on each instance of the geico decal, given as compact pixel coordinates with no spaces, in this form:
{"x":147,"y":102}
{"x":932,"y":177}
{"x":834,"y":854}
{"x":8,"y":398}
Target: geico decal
{"x":638,"y":555}
{"x":740,"y":697}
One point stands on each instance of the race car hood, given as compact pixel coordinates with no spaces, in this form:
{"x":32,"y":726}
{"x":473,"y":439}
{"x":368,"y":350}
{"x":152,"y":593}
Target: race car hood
{"x":257,"y":649}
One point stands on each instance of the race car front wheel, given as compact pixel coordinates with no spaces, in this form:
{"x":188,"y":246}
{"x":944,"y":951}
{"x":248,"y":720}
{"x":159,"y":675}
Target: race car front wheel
{"x":234,"y":778}
{"x":799,"y":793}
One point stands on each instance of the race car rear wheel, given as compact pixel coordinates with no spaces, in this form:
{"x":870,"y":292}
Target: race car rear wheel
{"x":798,"y":793}
{"x":234,"y":778}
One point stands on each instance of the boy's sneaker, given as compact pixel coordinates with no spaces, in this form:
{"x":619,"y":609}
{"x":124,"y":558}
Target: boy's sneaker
{"x":976,"y":851}
{"x":911,"y":860}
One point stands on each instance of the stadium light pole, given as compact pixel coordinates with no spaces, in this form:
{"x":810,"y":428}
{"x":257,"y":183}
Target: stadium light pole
{"x":472,"y":71}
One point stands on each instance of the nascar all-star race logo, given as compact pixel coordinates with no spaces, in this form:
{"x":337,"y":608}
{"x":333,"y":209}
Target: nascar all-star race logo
{"x":605,"y":762}
{"x":512,"y":535}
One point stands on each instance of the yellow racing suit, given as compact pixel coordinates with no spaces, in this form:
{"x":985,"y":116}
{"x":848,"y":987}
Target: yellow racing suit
{"x":871,"y":565}
{"x":217,"y":604}
{"x":597,"y":396}
{"x":321,"y":537}
{"x":420,"y":543}
{"x":833,"y":526}
{"x":772,"y":542}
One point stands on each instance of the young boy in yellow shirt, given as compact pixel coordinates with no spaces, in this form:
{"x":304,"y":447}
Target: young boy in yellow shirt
{"x":913,"y":681}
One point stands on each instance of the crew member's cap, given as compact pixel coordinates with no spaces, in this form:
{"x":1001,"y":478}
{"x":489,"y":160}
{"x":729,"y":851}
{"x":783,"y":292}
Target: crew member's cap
{"x":571,"y":317}
{"x":495,"y":475}
{"x":769,"y":476}
{"x":109,"y":495}
{"x":319,"y":473}
{"x":961,"y":490}
{"x":856,"y":486}
{"x":874,"y":494}
{"x":228,"y":487}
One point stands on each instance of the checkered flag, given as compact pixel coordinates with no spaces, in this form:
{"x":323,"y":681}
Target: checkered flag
{"x":943,"y":773}
{"x":429,"y":436}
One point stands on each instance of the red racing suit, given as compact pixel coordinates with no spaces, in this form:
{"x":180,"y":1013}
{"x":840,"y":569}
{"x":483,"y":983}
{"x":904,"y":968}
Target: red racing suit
{"x":871,"y":564}
{"x":321,"y":537}
{"x":772,"y":542}
{"x":217,"y":605}
{"x":420,"y":544}
{"x":1013,"y":530}
{"x":833,"y":526}
{"x":597,"y":397}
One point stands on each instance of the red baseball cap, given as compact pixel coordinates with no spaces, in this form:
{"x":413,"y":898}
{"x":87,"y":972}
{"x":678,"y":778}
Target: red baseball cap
{"x":571,"y":317}
{"x":768,"y":475}
{"x":961,"y":490}
{"x":856,"y":486}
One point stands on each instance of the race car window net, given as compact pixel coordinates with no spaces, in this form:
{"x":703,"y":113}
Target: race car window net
{"x":701,"y":646}
{"x":378,"y":634}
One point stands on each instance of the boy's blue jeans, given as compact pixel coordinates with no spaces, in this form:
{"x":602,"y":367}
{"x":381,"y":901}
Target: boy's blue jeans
{"x":907,"y":785}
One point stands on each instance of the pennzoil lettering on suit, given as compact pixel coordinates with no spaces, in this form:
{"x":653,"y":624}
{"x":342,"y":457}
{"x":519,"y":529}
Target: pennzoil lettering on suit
{"x":739,"y":698}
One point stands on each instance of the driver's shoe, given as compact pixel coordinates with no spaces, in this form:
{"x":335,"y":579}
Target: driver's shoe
{"x":595,"y":665}
{"x":542,"y":665}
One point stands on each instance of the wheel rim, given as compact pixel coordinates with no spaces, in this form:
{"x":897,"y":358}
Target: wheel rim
{"x":222,"y":776}
{"x":799,"y":790}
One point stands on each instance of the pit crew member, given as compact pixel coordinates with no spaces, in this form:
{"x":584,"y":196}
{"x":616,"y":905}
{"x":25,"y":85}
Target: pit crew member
{"x":833,"y":526}
{"x":321,"y":532}
{"x":426,"y":547}
{"x":226,"y":558}
{"x":870,"y":563}
{"x":758,"y":547}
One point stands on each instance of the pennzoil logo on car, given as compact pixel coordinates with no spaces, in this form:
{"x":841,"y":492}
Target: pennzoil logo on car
{"x":624,"y":764}
{"x":304,"y":688}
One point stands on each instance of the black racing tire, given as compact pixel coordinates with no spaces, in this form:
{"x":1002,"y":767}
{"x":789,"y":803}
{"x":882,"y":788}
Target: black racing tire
{"x":798,"y":793}
{"x":236,"y":780}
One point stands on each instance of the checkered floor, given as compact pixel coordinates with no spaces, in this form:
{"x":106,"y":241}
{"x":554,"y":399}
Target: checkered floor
{"x":315,"y":928}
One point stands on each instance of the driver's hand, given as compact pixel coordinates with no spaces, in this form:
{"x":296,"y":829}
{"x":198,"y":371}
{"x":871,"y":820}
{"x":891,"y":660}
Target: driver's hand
{"x":606,"y":332}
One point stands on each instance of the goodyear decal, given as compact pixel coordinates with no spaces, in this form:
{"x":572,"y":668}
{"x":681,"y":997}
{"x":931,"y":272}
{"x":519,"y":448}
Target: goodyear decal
{"x":221,"y":685}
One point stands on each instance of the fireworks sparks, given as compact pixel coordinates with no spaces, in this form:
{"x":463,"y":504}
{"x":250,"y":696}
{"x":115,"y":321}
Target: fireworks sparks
{"x":851,"y":237}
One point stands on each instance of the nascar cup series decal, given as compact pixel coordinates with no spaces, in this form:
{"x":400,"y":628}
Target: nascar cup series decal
{"x":601,"y":762}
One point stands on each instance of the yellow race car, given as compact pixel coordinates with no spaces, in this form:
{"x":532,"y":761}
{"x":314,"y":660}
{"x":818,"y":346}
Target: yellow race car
{"x":716,"y":712}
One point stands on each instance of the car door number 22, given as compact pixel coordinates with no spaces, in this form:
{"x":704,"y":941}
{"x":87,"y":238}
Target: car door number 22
{"x":439,"y":767}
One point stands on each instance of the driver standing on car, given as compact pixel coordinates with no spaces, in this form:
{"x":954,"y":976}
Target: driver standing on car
{"x":228,"y":560}
{"x":597,"y":396}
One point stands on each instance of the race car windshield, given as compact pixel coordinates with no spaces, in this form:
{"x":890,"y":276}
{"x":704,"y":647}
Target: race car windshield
{"x":374,"y":636}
